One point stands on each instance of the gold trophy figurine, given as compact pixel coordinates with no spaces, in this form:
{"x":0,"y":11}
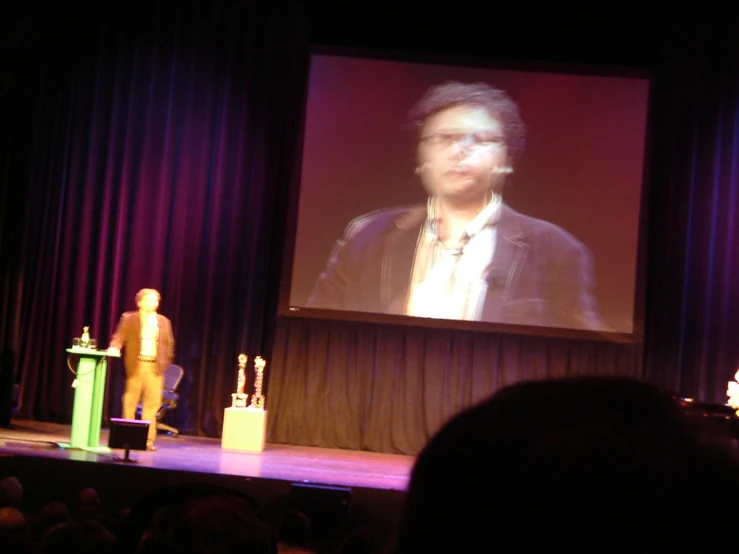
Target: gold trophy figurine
{"x":238,"y":399}
{"x":257,"y":399}
{"x":85,"y":338}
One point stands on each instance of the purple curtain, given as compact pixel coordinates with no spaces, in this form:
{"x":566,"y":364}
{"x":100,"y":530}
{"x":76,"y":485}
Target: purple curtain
{"x":156,"y":158}
{"x":693,"y":255}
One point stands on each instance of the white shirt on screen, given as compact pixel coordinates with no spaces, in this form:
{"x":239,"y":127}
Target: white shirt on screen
{"x":449,"y":280}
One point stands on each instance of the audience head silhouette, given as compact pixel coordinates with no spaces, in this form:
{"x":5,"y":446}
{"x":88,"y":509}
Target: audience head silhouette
{"x":553,"y":464}
{"x":195,"y":519}
{"x":85,"y":536}
{"x":11,"y":492}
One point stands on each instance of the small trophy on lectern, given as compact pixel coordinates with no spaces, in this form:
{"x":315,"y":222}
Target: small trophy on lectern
{"x":85,"y":338}
{"x":84,"y":341}
{"x":257,"y":399}
{"x":238,"y":399}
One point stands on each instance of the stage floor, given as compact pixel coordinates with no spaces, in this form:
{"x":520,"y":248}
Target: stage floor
{"x":322,"y":466}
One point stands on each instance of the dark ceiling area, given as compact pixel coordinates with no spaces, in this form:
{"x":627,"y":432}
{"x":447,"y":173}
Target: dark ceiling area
{"x":607,"y":33}
{"x":599,"y":34}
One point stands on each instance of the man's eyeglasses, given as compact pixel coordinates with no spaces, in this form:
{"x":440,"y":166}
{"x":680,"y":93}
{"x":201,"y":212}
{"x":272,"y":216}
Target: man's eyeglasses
{"x":444,"y":139}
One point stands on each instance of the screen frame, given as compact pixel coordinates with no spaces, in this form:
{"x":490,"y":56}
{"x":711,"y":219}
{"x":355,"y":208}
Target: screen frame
{"x":636,"y":336}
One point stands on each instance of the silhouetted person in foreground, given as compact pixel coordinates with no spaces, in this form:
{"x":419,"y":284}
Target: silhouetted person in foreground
{"x":11,"y":492}
{"x":293,"y":533}
{"x":89,"y":508}
{"x":12,"y":522}
{"x":584,"y":464}
{"x":85,"y":536}
{"x":195,"y":519}
{"x":88,"y":504}
{"x":53,"y":513}
{"x":15,"y":536}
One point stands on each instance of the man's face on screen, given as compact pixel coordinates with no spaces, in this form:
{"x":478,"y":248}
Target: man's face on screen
{"x":461,"y":152}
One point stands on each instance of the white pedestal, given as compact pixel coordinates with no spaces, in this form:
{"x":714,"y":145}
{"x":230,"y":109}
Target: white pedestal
{"x":244,"y":429}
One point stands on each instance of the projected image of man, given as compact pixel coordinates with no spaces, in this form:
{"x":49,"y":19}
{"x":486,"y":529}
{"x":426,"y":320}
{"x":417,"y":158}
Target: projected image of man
{"x":465,"y":254}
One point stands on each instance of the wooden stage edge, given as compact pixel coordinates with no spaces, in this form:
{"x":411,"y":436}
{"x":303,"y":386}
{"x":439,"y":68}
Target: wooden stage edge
{"x":30,"y":450}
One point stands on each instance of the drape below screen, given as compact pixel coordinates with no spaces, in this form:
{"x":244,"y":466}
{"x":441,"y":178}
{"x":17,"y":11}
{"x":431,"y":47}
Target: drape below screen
{"x":388,"y":388}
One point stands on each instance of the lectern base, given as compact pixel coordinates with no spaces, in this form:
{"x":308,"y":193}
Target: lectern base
{"x":93,"y":449}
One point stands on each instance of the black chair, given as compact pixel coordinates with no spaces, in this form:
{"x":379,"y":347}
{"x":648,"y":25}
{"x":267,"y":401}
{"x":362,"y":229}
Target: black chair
{"x":170,"y":397}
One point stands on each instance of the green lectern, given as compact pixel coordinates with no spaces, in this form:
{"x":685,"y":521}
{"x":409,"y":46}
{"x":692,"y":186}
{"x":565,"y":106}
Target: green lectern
{"x":89,"y":397}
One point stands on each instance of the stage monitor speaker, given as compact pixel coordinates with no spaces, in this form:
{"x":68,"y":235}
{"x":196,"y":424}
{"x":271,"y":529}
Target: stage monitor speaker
{"x":326,"y":506}
{"x":128,"y":434}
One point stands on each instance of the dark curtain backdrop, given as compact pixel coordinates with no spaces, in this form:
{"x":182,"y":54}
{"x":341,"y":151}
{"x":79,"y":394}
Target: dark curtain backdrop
{"x":693,"y":257}
{"x":155,"y":146}
{"x":151,"y":148}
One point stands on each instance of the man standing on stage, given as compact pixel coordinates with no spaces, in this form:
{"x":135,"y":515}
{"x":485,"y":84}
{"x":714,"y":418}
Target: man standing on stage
{"x":149,"y":342}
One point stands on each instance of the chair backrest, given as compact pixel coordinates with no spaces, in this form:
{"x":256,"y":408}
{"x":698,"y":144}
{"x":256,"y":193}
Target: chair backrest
{"x":172,"y":377}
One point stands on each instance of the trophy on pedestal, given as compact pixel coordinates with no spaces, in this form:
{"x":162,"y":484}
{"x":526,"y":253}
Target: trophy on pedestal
{"x":257,"y":399}
{"x":245,"y":427}
{"x":238,"y":399}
